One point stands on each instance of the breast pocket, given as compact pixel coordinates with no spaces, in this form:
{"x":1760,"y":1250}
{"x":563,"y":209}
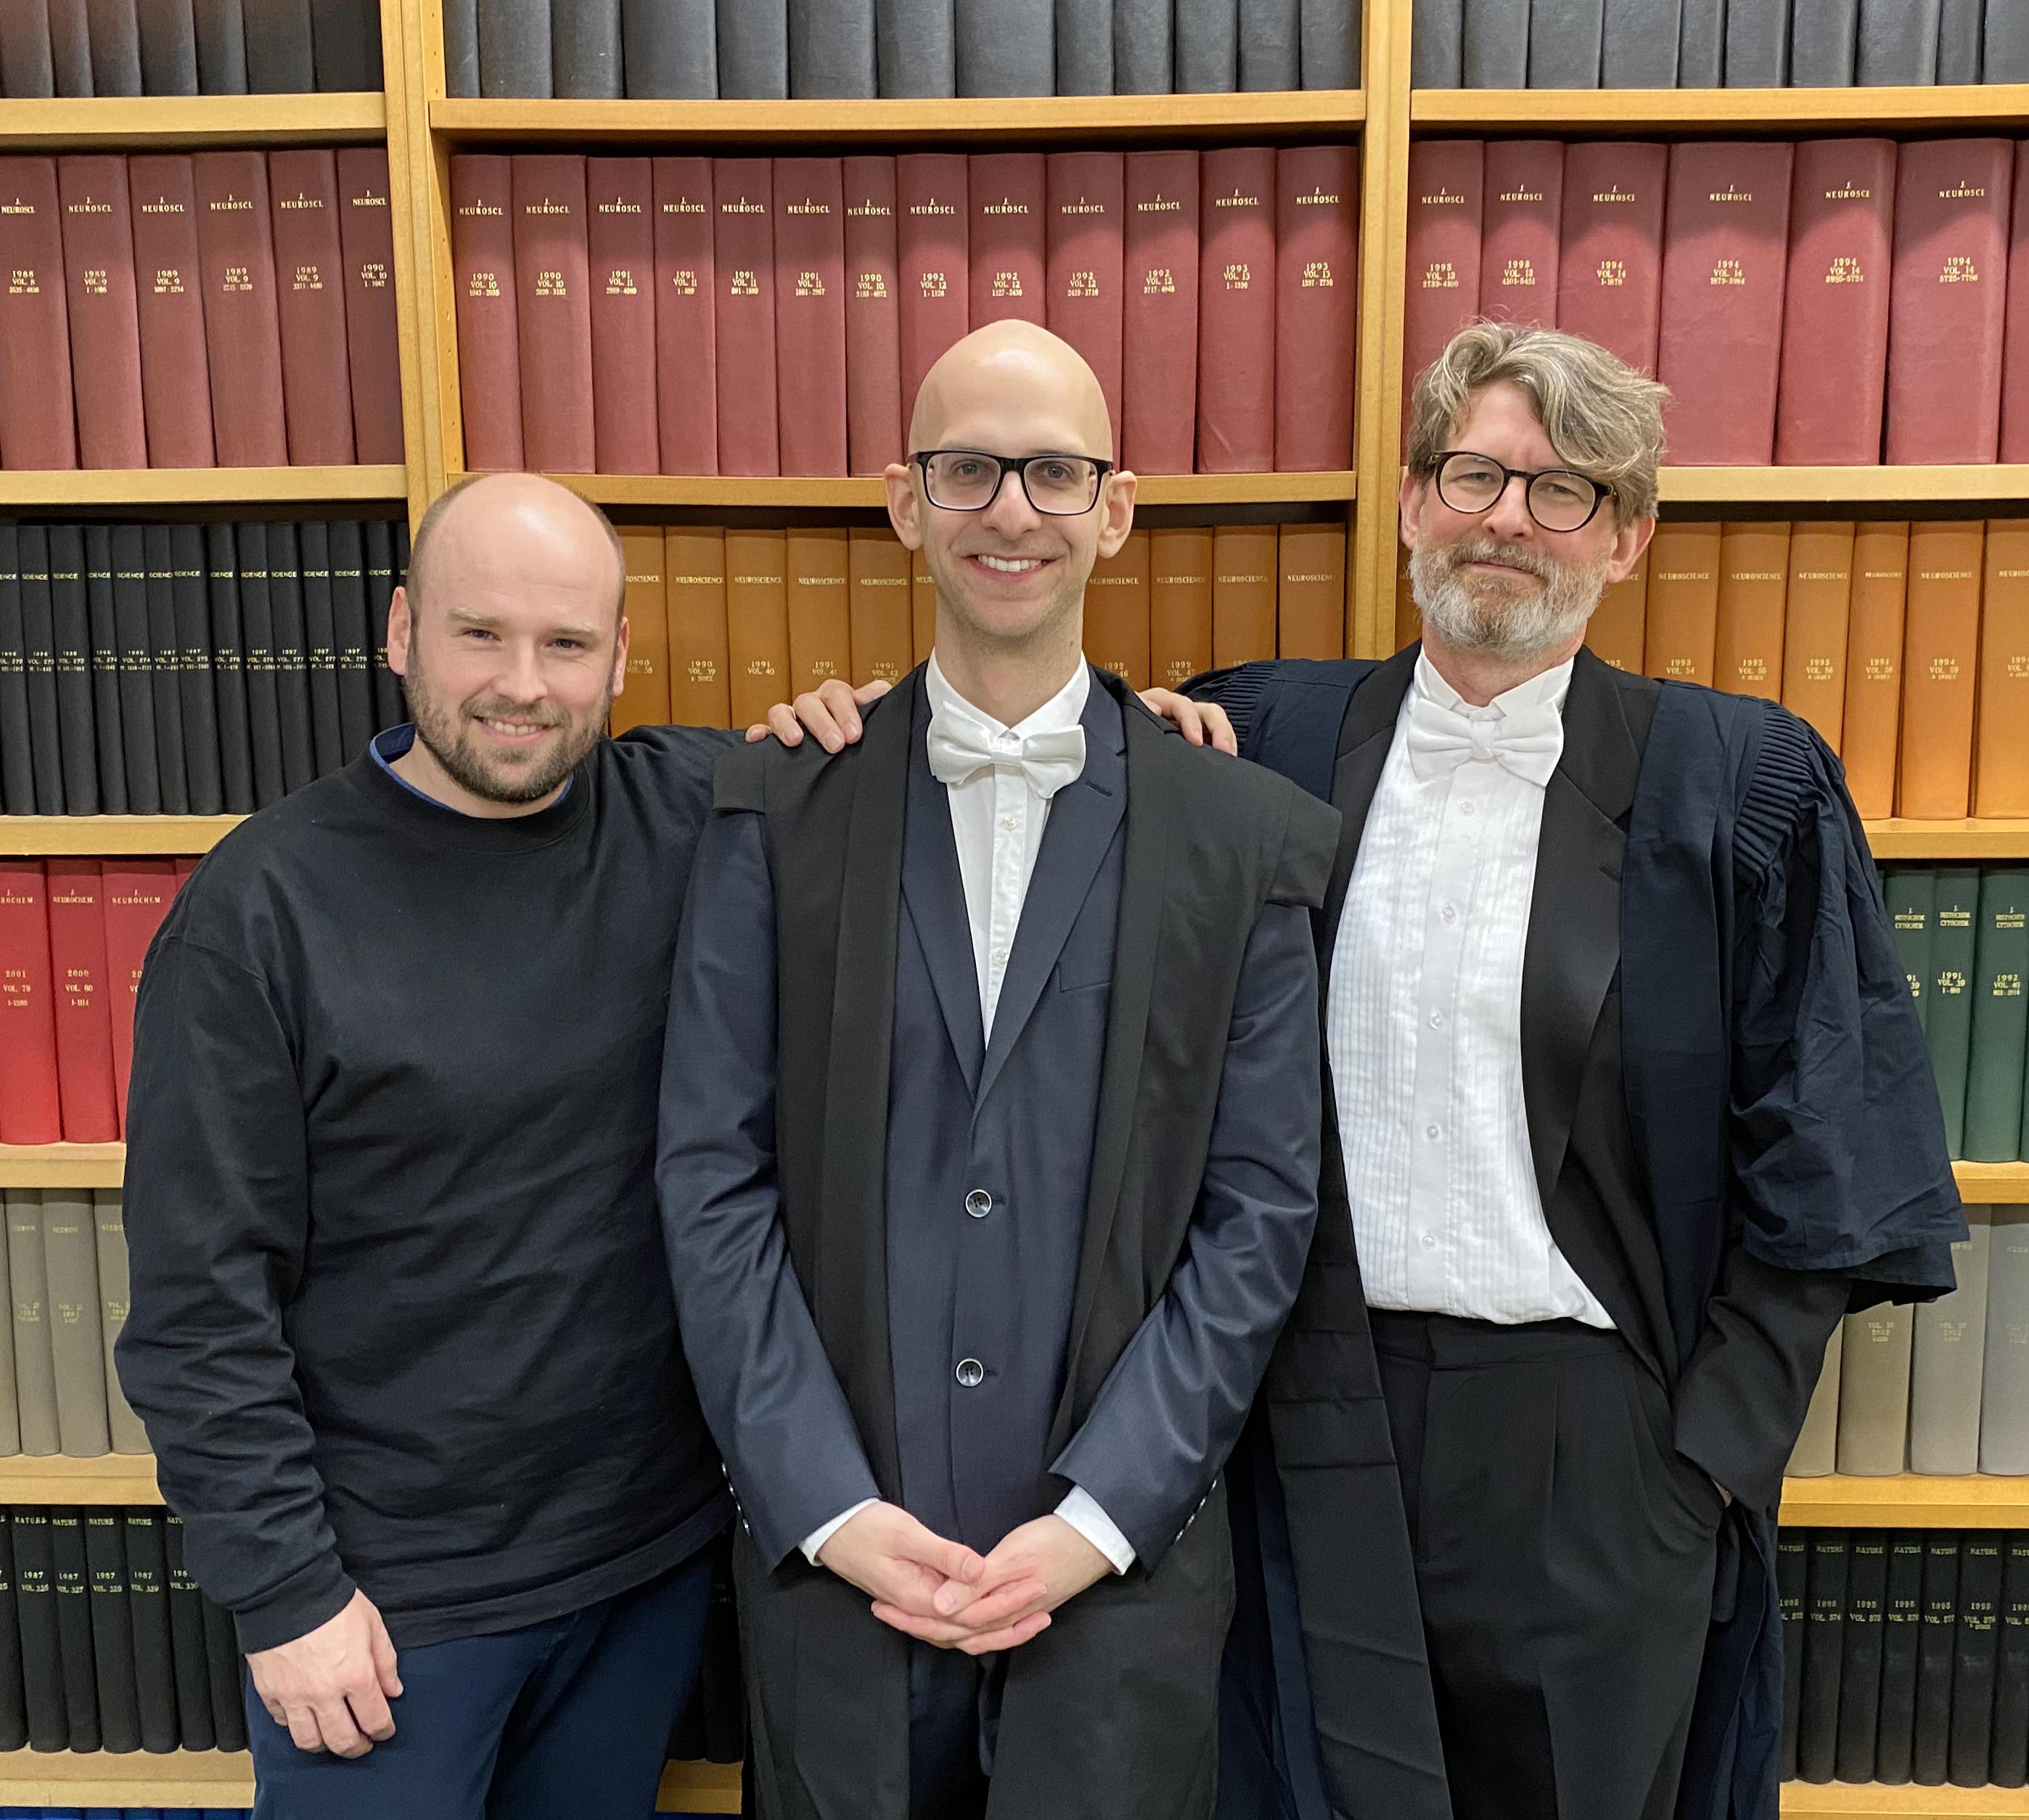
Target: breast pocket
{"x":1086,"y":963}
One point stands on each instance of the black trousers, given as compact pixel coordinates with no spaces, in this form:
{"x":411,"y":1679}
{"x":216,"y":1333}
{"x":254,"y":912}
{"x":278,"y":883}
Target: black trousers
{"x":1564,"y":1556}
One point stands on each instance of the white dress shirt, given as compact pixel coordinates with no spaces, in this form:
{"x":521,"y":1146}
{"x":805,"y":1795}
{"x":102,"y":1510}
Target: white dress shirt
{"x":997,"y":823}
{"x":1424,"y":1013}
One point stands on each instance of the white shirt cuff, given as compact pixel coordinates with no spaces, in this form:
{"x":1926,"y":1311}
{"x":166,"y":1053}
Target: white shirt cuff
{"x":817,"y":1538}
{"x":1081,"y":1510}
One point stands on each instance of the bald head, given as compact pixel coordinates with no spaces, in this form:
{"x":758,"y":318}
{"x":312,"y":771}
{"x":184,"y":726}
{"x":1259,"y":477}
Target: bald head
{"x":518,"y":525}
{"x":1008,"y":363}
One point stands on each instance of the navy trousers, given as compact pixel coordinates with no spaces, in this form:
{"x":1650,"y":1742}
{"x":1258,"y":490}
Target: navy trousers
{"x":568,"y":1717}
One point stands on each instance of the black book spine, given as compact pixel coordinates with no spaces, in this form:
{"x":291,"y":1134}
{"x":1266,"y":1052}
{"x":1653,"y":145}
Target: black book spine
{"x":2008,"y":1765}
{"x":514,"y":48}
{"x":461,"y":48}
{"x":584,"y":49}
{"x":670,"y":48}
{"x":1973,"y":1665}
{"x":102,"y":625}
{"x":1824,"y":1646}
{"x":148,"y":1603}
{"x":13,"y":1701}
{"x":1793,"y":1574}
{"x":17,"y":758}
{"x":1860,"y":1665}
{"x":221,"y":47}
{"x":112,"y":1630}
{"x":163,"y":680}
{"x":187,"y":1649}
{"x":389,"y":708}
{"x":346,"y":35}
{"x":280,"y":56}
{"x":257,"y":625}
{"x":1936,"y":1645}
{"x":39,"y":640}
{"x":137,"y":697}
{"x":352,"y":638}
{"x":1901,"y":1627}
{"x":168,"y":47}
{"x":292,"y":681}
{"x":73,"y":1603}
{"x":26,"y":72}
{"x":228,"y":670}
{"x":321,"y":647}
{"x":73,"y":656}
{"x":221,"y":1659}
{"x":116,"y":47}
{"x":70,"y":47}
{"x":41,"y":1657}
{"x":200,"y":702}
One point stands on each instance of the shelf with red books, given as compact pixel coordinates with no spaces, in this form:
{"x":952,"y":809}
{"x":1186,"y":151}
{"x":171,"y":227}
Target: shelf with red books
{"x":62,"y":1165}
{"x":98,"y":836}
{"x":195,"y":122}
{"x":791,"y":491}
{"x":1955,"y":842}
{"x":1872,"y":1800}
{"x":59,"y":1479}
{"x":91,"y":488}
{"x":1910,"y":1500}
{"x":1679,"y":112}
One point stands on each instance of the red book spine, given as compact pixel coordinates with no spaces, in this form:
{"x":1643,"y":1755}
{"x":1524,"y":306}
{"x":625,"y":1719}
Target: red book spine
{"x":873,"y":317}
{"x":1520,"y":211}
{"x":1610,"y":248}
{"x":810,"y":314}
{"x":1949,"y":308}
{"x":620,"y":222}
{"x":930,"y":245}
{"x":105,"y":326}
{"x":2015,"y":334}
{"x":38,"y":429}
{"x":686,"y":337}
{"x":175,"y":373}
{"x":310,"y":288}
{"x":1725,"y":244}
{"x":1159,"y":366}
{"x":30,"y":1110}
{"x":138,"y":894}
{"x":366,"y":238}
{"x":84,"y":1007}
{"x":1008,"y":244}
{"x":744,"y":251}
{"x":1317,"y":286}
{"x":1842,"y":198}
{"x":1447,"y":180}
{"x":242,"y":334}
{"x":1236,"y":311}
{"x":553,"y":313}
{"x":1085,"y":253}
{"x":482,"y":258}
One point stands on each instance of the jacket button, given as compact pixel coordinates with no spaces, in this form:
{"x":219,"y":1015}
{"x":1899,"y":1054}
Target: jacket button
{"x":979,"y":1203}
{"x":971,"y":1373}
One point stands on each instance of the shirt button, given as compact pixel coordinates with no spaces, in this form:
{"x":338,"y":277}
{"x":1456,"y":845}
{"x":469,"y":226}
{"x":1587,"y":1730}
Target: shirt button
{"x":1427,"y":1240}
{"x":1010,"y":823}
{"x":979,"y":1203}
{"x":1000,"y":957}
{"x":971,"y":1373}
{"x":1450,"y":913}
{"x":1431,"y":1131}
{"x":1465,"y":808}
{"x":1437,"y":1020}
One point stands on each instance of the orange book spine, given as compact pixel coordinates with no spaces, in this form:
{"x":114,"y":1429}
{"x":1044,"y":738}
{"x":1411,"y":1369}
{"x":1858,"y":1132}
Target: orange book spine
{"x":1815,"y":636}
{"x":2001,"y":738}
{"x":1940,"y":665}
{"x":645,"y":701}
{"x":1179,"y":604}
{"x":883,"y":640}
{"x":1620,"y":623}
{"x":1310,"y":601}
{"x":820,"y":608}
{"x":1873,"y":721}
{"x":1244,"y":566}
{"x":1747,"y":645}
{"x":1116,"y":612}
{"x":694,"y":576}
{"x":922,"y":605}
{"x":757,"y":623}
{"x":1683,"y":602}
{"x":1409,"y":616}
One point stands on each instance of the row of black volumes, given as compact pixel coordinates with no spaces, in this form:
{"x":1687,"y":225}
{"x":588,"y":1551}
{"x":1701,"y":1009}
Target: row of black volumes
{"x":128,"y":47}
{"x":837,"y":49}
{"x":106,"y":1642}
{"x":1716,"y":43}
{"x":198,"y":669}
{"x":1905,"y":1656}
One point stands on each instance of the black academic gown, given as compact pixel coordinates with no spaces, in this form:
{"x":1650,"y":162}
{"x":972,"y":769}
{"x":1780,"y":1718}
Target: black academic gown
{"x":1777,"y":1088}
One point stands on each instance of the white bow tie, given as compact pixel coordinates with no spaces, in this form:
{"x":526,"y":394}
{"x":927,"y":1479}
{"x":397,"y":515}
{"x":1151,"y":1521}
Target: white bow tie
{"x":959,"y":747}
{"x":1441,"y":739}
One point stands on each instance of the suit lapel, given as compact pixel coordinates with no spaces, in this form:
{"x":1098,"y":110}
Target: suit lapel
{"x":933,"y":894}
{"x":1364,"y":738}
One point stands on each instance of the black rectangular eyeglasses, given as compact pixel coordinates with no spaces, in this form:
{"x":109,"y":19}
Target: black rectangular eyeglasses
{"x":969,"y":479}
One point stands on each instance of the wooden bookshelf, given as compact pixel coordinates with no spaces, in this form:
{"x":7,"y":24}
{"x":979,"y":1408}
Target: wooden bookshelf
{"x":1908,"y":1500}
{"x":1952,"y":843}
{"x":102,"y":489}
{"x":97,"y":836}
{"x":192,"y":123}
{"x":1972,"y":486}
{"x":62,"y":1165}
{"x":792,"y":493}
{"x":1871,"y":1800}
{"x":58,"y":1479}
{"x":1682,"y":112}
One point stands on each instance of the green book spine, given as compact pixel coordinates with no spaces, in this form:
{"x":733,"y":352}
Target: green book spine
{"x":1912,"y":906}
{"x":2000,"y":1019}
{"x":1954,"y":960}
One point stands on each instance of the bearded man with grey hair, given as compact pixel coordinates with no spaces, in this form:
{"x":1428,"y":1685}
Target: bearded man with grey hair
{"x":1632,"y":1103}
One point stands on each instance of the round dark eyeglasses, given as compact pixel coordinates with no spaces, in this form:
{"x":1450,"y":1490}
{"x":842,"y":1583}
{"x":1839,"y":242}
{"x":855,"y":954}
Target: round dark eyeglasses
{"x":969,"y":479}
{"x":1558,"y":498}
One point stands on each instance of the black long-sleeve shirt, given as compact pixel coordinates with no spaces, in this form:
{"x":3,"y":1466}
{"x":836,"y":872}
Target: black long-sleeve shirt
{"x":401,"y":1319}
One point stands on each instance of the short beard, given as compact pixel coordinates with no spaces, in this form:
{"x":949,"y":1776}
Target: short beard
{"x":442,"y":728}
{"x":1494,"y":617}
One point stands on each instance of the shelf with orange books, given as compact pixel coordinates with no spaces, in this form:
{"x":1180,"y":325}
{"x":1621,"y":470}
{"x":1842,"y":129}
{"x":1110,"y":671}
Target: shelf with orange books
{"x":1678,"y":111}
{"x":96,"y":836}
{"x":90,"y":488}
{"x":1876,"y":1800}
{"x":1910,"y":1500}
{"x":192,"y":122}
{"x":790,"y":492}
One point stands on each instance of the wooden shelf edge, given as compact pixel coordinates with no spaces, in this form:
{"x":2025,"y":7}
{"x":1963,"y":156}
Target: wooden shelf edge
{"x":1993,"y":1184}
{"x":121,"y":487}
{"x":1972,"y":1501}
{"x":1999,"y":837}
{"x":1867,"y":1800}
{"x":59,"y":1479}
{"x":788,"y":492}
{"x":1653,"y":111}
{"x":62,"y":1165}
{"x":136,"y":123}
{"x":99,"y":836}
{"x":1845,"y":486}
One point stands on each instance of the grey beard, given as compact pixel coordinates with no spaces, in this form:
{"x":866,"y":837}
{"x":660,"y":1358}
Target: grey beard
{"x":1500,"y":624}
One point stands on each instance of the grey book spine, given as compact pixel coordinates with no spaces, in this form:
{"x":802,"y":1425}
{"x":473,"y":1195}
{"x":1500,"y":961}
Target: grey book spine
{"x":70,"y":47}
{"x":1144,"y":47}
{"x":1009,"y":46}
{"x":27,"y":71}
{"x":345,"y":37}
{"x":281,"y":50}
{"x":2004,"y":1391}
{"x":753,"y":49}
{"x":1958,"y":41}
{"x":1898,"y":42}
{"x":461,"y":20}
{"x":116,"y":47}
{"x":1816,"y":1451}
{"x":1823,"y":34}
{"x":10,"y":1419}
{"x":514,"y":48}
{"x":77,"y":1344}
{"x":1208,"y":46}
{"x":831,"y":50}
{"x":168,"y":47}
{"x":1700,"y":44}
{"x":1564,"y":43}
{"x":670,"y":48}
{"x":584,"y":49}
{"x":1497,"y":44}
{"x":109,"y":1210}
{"x":1946,"y":1359}
{"x":2004,"y":54}
{"x":1757,"y":43}
{"x":34,"y":1364}
{"x":221,"y":47}
{"x":1084,"y":47}
{"x":1874,"y":1391}
{"x":915,"y":45}
{"x":1330,"y":33}
{"x":1271,"y":48}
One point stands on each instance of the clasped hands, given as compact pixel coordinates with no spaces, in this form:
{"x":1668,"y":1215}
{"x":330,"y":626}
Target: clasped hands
{"x":944,"y":1593}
